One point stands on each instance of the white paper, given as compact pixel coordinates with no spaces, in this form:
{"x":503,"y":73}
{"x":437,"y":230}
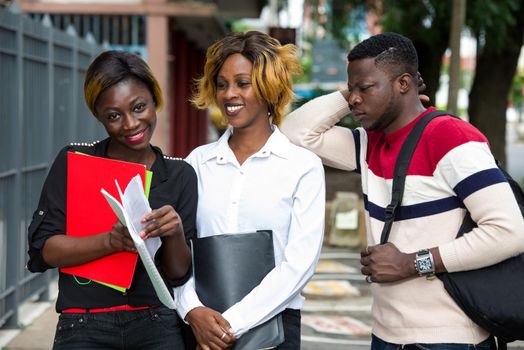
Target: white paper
{"x":133,"y":208}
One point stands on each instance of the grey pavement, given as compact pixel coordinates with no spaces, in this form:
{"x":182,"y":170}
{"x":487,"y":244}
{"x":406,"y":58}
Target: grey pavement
{"x":38,"y":332}
{"x":337,"y":316}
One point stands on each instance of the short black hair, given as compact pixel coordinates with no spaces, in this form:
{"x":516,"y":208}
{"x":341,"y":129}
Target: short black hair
{"x":114,"y":66}
{"x":389,"y":49}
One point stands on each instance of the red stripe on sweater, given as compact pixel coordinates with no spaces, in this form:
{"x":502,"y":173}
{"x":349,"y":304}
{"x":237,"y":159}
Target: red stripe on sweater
{"x":439,"y":137}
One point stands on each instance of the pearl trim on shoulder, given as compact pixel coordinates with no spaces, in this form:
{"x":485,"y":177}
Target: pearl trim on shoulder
{"x":172,"y":158}
{"x":85,"y":144}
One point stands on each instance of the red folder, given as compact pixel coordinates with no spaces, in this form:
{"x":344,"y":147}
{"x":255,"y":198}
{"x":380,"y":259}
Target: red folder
{"x":89,"y":214}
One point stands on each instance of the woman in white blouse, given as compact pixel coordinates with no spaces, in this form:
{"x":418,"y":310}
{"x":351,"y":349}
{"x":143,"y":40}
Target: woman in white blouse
{"x":253,"y":178}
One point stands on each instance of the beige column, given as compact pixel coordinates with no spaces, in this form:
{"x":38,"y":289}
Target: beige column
{"x":157,"y":58}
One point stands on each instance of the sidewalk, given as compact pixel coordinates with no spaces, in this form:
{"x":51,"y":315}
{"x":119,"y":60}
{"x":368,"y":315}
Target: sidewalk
{"x":38,"y":320}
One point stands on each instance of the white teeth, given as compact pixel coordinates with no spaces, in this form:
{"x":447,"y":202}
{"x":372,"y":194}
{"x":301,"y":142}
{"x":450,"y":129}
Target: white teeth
{"x":232,"y":109}
{"x":135,"y":136}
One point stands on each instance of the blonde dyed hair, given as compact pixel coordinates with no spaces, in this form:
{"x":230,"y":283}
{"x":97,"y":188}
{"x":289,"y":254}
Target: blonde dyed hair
{"x":274,"y":65}
{"x":115,"y":66}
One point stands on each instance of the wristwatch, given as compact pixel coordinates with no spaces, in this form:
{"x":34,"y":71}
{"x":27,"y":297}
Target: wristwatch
{"x":424,"y":263}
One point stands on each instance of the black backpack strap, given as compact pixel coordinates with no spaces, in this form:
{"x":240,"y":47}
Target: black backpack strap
{"x":401,"y":169}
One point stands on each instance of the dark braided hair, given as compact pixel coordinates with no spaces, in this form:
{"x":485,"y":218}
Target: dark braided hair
{"x":389,"y":49}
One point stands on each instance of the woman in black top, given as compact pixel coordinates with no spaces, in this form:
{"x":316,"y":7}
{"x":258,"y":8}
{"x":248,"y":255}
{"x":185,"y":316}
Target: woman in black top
{"x":123,"y":95}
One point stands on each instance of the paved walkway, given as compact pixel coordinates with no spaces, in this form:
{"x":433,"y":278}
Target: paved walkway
{"x":38,"y":335}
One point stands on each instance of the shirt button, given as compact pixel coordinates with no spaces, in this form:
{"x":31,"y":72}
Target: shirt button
{"x":41,"y":212}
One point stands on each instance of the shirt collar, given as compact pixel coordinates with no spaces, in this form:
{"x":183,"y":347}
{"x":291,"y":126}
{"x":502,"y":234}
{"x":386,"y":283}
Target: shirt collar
{"x":277,"y":144}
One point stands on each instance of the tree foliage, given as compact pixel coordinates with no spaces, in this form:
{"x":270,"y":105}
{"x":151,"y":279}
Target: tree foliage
{"x":493,"y":21}
{"x":497,"y":60}
{"x":498,"y":26}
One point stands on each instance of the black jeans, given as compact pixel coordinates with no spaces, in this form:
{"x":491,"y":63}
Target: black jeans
{"x":291,"y":323}
{"x":155,"y":329}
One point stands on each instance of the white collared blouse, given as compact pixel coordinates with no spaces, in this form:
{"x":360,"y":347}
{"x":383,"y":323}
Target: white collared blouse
{"x":280,"y":188}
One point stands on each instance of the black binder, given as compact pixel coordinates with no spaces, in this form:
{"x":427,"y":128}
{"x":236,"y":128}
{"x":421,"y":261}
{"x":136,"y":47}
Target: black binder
{"x":227,"y":267}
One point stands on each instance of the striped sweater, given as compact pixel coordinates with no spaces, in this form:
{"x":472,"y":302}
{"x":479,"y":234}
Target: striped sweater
{"x":452,"y":169}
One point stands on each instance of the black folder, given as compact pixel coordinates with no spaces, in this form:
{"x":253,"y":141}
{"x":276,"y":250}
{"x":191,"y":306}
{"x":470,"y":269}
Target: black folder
{"x":227,"y":267}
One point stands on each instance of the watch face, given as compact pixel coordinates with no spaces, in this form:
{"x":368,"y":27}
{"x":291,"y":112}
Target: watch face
{"x":424,"y":264}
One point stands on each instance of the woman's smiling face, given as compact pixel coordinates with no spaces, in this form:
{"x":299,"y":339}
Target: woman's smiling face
{"x":128,"y":112}
{"x":236,"y":95}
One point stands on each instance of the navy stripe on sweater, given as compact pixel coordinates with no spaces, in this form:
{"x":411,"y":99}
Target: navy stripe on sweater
{"x":478,"y":181}
{"x":413,"y":211}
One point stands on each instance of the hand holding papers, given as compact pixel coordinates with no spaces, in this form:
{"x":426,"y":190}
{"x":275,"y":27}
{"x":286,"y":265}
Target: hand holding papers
{"x":133,"y":208}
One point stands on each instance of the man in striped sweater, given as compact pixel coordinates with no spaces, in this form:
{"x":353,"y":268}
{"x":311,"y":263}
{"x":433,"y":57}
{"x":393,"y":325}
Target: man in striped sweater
{"x":452,"y":168}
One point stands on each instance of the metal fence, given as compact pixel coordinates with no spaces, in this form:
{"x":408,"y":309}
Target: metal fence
{"x":41,"y":110}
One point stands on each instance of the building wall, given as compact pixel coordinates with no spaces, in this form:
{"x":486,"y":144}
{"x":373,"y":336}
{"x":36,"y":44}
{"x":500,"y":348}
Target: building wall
{"x":157,"y":39}
{"x":188,"y":125}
